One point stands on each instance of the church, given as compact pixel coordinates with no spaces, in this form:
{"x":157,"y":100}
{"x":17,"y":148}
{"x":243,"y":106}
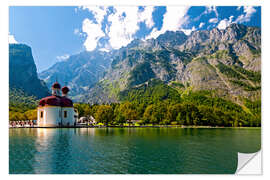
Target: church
{"x":56,"y":110}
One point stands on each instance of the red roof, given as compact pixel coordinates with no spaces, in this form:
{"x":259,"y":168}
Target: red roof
{"x":65,"y":90}
{"x":56,"y":85}
{"x":66,"y":102}
{"x":56,"y":101}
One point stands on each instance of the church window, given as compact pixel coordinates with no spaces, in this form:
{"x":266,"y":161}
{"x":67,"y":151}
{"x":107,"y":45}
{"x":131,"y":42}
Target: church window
{"x":41,"y":114}
{"x":65,"y":114}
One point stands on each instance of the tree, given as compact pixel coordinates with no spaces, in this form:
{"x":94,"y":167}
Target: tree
{"x":147,"y":115}
{"x":104,"y":114}
{"x":180,"y":120}
{"x":173,"y":111}
{"x":13,"y":116}
{"x":120,"y":119}
{"x":31,"y":114}
{"x":128,"y":111}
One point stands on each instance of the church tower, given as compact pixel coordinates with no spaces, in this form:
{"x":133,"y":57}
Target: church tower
{"x":56,"y":110}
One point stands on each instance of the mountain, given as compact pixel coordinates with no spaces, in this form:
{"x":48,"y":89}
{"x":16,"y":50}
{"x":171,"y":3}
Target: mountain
{"x":23,"y":76}
{"x":80,"y":71}
{"x":227,"y":62}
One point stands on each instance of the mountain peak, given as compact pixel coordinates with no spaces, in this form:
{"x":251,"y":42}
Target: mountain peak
{"x":172,"y":38}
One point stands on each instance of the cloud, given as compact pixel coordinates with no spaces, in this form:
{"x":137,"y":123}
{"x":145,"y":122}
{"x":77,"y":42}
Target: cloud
{"x":94,"y":33}
{"x":225,"y":23}
{"x":210,"y":9}
{"x":213,"y":20}
{"x":11,"y":39}
{"x":62,"y":58}
{"x":123,"y":23}
{"x":173,"y":19}
{"x":201,"y":25}
{"x":188,"y":31}
{"x":98,"y":11}
{"x":104,"y":49}
{"x":146,"y":16}
{"x":248,"y":12}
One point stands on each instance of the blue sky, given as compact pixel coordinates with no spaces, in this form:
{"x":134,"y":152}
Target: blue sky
{"x":55,"y":33}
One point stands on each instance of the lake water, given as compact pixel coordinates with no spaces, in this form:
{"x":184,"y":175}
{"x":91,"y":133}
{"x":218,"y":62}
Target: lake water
{"x":129,"y":150}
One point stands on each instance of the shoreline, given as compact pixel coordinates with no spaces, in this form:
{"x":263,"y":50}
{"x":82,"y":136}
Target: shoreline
{"x":161,"y":126}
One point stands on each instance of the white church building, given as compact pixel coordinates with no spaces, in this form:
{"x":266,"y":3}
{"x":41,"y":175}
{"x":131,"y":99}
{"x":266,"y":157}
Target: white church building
{"x":56,"y":110}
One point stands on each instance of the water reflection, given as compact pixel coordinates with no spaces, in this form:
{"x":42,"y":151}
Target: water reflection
{"x":54,"y":148}
{"x":129,"y":150}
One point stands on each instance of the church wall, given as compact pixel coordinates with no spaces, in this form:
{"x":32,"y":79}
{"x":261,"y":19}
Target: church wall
{"x":69,"y":118}
{"x":51,"y":116}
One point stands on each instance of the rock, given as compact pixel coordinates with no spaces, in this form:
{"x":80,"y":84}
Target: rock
{"x":23,"y":71}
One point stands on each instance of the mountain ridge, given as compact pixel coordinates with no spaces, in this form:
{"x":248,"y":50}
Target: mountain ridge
{"x":206,"y":60}
{"x":221,"y":60}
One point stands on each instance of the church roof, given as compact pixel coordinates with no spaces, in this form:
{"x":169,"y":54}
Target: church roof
{"x":56,"y":85}
{"x":66,"y":102}
{"x":65,"y":90}
{"x":56,"y":101}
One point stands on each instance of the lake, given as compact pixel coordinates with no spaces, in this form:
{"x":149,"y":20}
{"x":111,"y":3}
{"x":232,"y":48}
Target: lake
{"x":129,"y":150}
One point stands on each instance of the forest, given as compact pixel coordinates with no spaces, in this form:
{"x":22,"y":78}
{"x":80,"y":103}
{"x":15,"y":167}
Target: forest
{"x":156,"y":103}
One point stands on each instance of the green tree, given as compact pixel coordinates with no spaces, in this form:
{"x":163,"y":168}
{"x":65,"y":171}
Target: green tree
{"x":128,"y":110}
{"x":180,"y":120}
{"x":104,"y":114}
{"x":31,"y":114}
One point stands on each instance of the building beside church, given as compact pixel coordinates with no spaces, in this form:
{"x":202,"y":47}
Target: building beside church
{"x":56,"y":110}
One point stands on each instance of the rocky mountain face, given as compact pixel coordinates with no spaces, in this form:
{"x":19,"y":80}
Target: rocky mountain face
{"x":23,"y":72}
{"x":80,"y":72}
{"x":225,"y":61}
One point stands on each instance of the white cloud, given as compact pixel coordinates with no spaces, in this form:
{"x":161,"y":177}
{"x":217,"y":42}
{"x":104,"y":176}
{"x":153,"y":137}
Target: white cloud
{"x":94,"y":33}
{"x":201,"y":25}
{"x":225,"y":23}
{"x":210,"y":9}
{"x":213,"y":20}
{"x":98,"y":11}
{"x":125,"y":23}
{"x":11,"y":39}
{"x":188,"y":31}
{"x":154,"y":33}
{"x":146,"y":16}
{"x":174,"y":18}
{"x":63,"y":57}
{"x":122,"y":25}
{"x":248,"y":12}
{"x":104,"y":49}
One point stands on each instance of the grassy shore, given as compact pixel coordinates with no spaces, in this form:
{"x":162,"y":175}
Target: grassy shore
{"x":141,"y":126}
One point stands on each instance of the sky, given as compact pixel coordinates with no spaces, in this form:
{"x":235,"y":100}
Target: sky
{"x":55,"y":33}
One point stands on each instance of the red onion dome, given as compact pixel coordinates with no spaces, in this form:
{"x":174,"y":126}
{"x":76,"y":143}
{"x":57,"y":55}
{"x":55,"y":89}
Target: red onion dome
{"x":56,"y":85}
{"x":65,"y":90}
{"x":66,"y":102}
{"x":50,"y":101}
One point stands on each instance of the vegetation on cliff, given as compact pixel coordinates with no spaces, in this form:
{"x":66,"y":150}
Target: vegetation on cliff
{"x":159,"y":104}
